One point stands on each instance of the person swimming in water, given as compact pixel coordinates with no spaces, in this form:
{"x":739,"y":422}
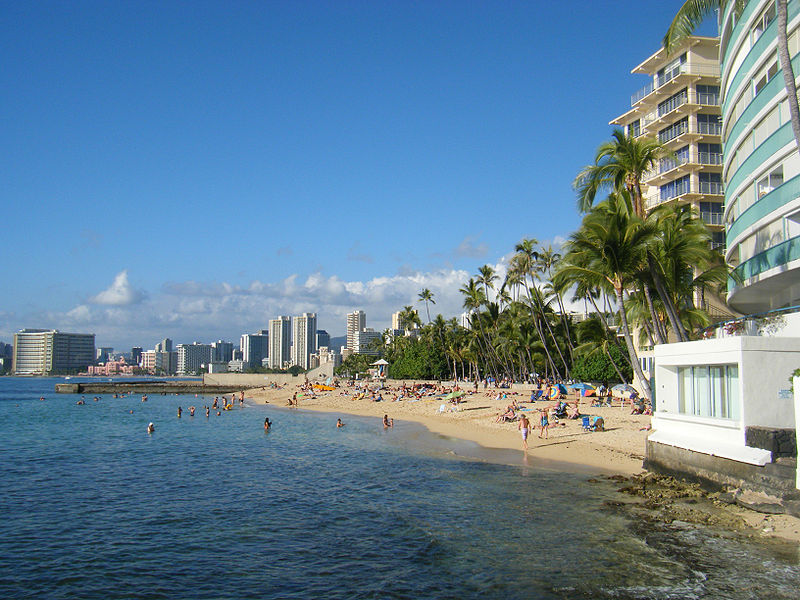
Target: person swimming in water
{"x":151,"y":428}
{"x":339,"y":423}
{"x":267,"y":424}
{"x":387,"y":422}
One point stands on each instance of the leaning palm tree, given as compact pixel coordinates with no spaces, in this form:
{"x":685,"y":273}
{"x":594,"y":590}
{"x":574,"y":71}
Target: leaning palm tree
{"x":426,"y":296}
{"x":611,"y":245}
{"x":694,"y":12}
{"x":619,"y":164}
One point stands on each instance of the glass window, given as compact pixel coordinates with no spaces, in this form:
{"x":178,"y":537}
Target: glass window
{"x":711,"y":183}
{"x":673,"y":189}
{"x":709,"y":391}
{"x":763,"y":22}
{"x":672,"y":102}
{"x":765,"y":74}
{"x":708,"y":94}
{"x":674,"y":130}
{"x":710,"y":154}
{"x":681,"y":157}
{"x":634,"y":128}
{"x":709,"y":124}
{"x":672,"y":70}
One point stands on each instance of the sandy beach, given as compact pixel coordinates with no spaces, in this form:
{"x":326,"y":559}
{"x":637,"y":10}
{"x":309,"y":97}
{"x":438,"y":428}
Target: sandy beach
{"x":619,"y":449}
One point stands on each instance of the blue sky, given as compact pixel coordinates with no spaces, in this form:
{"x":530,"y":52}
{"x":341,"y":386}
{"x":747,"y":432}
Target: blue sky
{"x":193,"y":169}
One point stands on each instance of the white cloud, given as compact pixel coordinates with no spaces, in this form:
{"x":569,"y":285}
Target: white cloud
{"x":120,"y":293}
{"x":468,"y":248}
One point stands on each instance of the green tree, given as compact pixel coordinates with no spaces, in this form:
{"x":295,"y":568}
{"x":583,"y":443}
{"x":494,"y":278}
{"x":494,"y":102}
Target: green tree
{"x":619,"y":164}
{"x":426,"y":296}
{"x":609,"y":248}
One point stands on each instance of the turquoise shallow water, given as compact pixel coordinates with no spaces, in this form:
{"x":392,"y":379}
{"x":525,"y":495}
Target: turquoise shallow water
{"x":94,"y":507}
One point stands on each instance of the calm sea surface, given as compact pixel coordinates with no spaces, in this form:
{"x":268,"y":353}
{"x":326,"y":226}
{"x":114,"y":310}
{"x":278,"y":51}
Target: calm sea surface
{"x":94,"y":507}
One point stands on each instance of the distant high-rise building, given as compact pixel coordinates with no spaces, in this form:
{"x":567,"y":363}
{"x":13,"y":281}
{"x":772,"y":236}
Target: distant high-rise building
{"x":136,"y":355}
{"x":221,"y":351}
{"x":356,"y":321}
{"x":304,"y":337}
{"x":363,"y":341}
{"x":396,"y":320}
{"x":193,"y":356}
{"x":280,"y":333}
{"x":102,"y":353}
{"x":43,"y":351}
{"x":164,"y":345}
{"x":323,"y":338}
{"x":255,"y":347}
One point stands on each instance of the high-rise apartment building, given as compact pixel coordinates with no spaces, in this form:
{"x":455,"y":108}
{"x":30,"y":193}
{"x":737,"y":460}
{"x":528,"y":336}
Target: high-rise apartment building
{"x":323,"y":339}
{"x":364,"y":341}
{"x":43,"y":351}
{"x":101,"y":354}
{"x":356,"y":321}
{"x":280,"y":342}
{"x":136,"y":355}
{"x":762,"y":165}
{"x":254,"y":347}
{"x":221,"y":351}
{"x":164,"y":345}
{"x":191,"y":357}
{"x":304,"y":338}
{"x":680,"y":107}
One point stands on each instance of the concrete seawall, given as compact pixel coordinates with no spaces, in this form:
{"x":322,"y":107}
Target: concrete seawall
{"x":147,"y":387}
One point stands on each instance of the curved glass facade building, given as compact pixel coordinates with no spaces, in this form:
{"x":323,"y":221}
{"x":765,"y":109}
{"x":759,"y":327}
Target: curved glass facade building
{"x":761,"y":170}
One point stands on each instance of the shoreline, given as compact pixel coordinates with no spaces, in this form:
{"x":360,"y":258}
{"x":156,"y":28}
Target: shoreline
{"x":617,"y":451}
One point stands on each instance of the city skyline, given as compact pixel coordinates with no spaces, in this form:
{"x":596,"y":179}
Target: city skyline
{"x":432,"y":132}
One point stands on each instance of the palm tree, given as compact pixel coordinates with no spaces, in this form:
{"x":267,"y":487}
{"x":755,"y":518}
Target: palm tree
{"x":427,"y":296}
{"x":619,"y":164}
{"x":694,"y":12}
{"x":408,"y":318}
{"x":486,"y":278}
{"x":611,"y":246}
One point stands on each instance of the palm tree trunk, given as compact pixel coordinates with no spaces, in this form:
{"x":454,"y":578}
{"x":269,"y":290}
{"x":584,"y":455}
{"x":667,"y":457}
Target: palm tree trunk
{"x":669,"y":306}
{"x":653,"y":316}
{"x":550,"y":331}
{"x":637,"y":367}
{"x":613,"y":364}
{"x":539,"y":330}
{"x":788,"y":73}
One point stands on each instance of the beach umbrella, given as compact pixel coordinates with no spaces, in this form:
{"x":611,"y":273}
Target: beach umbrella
{"x":562,"y":389}
{"x":624,"y":390}
{"x":581,"y":386}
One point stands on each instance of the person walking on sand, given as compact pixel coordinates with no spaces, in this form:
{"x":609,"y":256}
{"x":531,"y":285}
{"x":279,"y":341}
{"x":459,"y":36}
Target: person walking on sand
{"x":524,"y":427}
{"x":545,"y":423}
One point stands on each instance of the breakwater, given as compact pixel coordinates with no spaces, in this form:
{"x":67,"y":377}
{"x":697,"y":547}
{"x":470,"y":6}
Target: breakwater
{"x":146,"y":387}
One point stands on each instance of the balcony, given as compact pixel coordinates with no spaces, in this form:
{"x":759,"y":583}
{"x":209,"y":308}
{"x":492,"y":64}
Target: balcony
{"x":710,"y":158}
{"x":697,"y":71}
{"x":711,"y":218}
{"x":712,"y":187}
{"x":709,"y":128}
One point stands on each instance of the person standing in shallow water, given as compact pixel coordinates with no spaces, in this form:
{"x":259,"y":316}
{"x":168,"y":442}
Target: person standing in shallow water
{"x":387,"y":422}
{"x":180,"y":411}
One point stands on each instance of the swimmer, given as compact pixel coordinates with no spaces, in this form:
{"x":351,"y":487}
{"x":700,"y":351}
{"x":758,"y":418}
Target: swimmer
{"x":267,"y":424}
{"x":191,"y":411}
{"x":151,"y":428}
{"x":180,"y":410}
{"x":144,"y":398}
{"x":339,"y":423}
{"x":387,"y":422}
{"x":218,"y":413}
{"x":130,"y":412}
{"x":207,"y":412}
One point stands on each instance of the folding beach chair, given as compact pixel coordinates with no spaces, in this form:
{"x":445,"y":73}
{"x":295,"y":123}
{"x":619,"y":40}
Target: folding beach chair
{"x":585,"y":423}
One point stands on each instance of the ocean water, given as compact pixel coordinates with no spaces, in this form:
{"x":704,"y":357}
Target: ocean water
{"x":94,"y":507}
